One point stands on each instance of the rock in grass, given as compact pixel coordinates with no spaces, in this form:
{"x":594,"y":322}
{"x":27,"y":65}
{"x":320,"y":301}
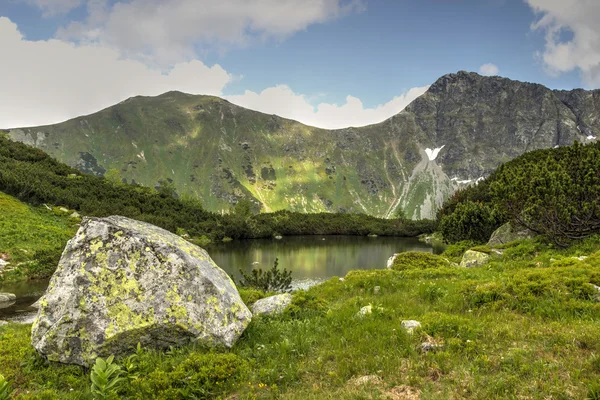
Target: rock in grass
{"x":121,"y":281}
{"x":509,"y":233}
{"x":390,"y":261}
{"x":473,"y":258}
{"x":2,"y":323}
{"x":410,"y":325}
{"x":272,"y":305}
{"x":7,"y":297}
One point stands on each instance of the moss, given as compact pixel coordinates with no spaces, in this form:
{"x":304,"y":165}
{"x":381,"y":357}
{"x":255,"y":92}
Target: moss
{"x":418,"y":260}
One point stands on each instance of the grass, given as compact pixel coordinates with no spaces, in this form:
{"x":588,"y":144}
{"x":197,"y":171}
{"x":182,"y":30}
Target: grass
{"x":32,"y":238}
{"x":523,"y":326}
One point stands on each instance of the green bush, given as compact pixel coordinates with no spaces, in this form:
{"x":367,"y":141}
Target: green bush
{"x":470,"y":221}
{"x":274,"y":280}
{"x":418,"y":260}
{"x":106,"y":378}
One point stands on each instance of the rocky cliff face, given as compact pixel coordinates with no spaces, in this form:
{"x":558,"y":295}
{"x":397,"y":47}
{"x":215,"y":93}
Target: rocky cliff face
{"x":459,"y":131}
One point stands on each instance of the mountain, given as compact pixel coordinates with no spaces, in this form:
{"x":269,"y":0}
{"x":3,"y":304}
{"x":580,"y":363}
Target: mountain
{"x":459,"y":131}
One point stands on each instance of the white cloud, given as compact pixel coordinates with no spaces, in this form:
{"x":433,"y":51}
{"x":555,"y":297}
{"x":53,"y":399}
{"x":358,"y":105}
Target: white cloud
{"x":53,"y":7}
{"x":489,"y":70}
{"x":169,"y":31}
{"x":45,"y":82}
{"x":50,"y":81}
{"x":281,"y":100}
{"x":581,"y":50}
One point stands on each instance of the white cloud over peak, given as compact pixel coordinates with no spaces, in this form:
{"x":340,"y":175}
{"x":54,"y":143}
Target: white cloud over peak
{"x":165,"y":32}
{"x":578,"y":51}
{"x":50,"y":81}
{"x":489,"y":70}
{"x":281,"y":100}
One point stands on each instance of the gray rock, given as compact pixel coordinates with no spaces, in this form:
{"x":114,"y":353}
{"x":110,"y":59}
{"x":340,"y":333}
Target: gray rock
{"x":410,"y":325}
{"x":278,"y":237}
{"x":272,"y":305}
{"x":3,"y":264}
{"x":2,"y":323}
{"x":63,"y":209}
{"x":429,"y":346}
{"x":121,"y":281}
{"x":509,"y":233}
{"x":75,"y":214}
{"x":7,"y":297}
{"x":473,"y":258}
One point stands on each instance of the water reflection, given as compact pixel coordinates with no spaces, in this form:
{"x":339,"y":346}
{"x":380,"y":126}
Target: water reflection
{"x":314,"y":257}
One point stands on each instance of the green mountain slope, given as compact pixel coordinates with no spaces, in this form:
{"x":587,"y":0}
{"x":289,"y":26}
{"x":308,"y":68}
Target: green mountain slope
{"x":219,"y":152}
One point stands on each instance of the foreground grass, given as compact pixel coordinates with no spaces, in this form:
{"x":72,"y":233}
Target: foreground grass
{"x":523,"y":326}
{"x":32,"y":237}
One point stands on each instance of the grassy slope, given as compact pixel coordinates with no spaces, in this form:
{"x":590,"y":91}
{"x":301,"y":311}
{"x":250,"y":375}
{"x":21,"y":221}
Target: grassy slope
{"x":524,"y":326}
{"x":26,"y":231}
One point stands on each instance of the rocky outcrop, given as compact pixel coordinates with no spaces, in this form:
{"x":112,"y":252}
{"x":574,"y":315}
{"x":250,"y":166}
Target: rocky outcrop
{"x":509,"y":233}
{"x":473,"y":258}
{"x":121,"y":281}
{"x":272,"y":305}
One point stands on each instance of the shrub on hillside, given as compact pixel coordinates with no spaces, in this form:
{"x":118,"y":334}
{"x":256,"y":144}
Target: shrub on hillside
{"x":470,"y":221}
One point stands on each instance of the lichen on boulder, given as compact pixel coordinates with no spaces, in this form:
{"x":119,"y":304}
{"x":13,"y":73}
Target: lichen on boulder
{"x":121,"y":281}
{"x":509,"y":233}
{"x":473,"y":258}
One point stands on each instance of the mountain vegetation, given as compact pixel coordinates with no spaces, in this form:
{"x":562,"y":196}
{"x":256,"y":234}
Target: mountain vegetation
{"x":35,"y":178}
{"x":209,"y":149}
{"x":554,"y":192}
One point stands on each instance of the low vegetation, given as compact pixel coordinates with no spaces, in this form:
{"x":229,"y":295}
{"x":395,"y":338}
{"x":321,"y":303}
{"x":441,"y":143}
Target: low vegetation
{"x":522,"y":326}
{"x":272,"y":280}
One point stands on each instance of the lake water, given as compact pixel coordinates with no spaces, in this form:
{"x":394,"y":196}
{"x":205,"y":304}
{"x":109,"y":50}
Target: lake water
{"x":310,"y":258}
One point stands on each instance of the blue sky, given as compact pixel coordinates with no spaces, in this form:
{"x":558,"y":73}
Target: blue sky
{"x":284,"y":57}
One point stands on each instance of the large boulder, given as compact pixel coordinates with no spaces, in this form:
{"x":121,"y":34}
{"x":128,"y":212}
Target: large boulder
{"x":7,"y":298}
{"x":473,"y":258}
{"x":509,"y":233}
{"x":121,"y":281}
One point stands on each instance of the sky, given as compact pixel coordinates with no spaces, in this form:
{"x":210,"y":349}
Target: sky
{"x":326,"y":63}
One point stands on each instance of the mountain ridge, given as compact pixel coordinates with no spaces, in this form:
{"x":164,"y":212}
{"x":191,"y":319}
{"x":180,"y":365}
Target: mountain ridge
{"x":210,"y":148}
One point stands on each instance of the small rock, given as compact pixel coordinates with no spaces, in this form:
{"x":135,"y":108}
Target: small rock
{"x":63,"y":209}
{"x":376,"y":290}
{"x":7,"y":297}
{"x":3,"y":264}
{"x":372,"y":235}
{"x":2,"y":323}
{"x":498,"y":251}
{"x":255,"y":263}
{"x":580,"y":258}
{"x":278,"y":237}
{"x":390,"y":261}
{"x":410,"y":325}
{"x":48,"y":207}
{"x":342,"y":279}
{"x":75,"y":214}
{"x":272,"y":305}
{"x":430,"y":346}
{"x":473,"y":258}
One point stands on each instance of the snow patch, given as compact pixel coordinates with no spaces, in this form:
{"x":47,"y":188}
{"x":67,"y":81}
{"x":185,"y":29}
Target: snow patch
{"x":141,"y":156}
{"x":134,"y":145}
{"x":459,"y":181}
{"x":432,"y":154}
{"x":479,"y":179}
{"x":590,"y":137}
